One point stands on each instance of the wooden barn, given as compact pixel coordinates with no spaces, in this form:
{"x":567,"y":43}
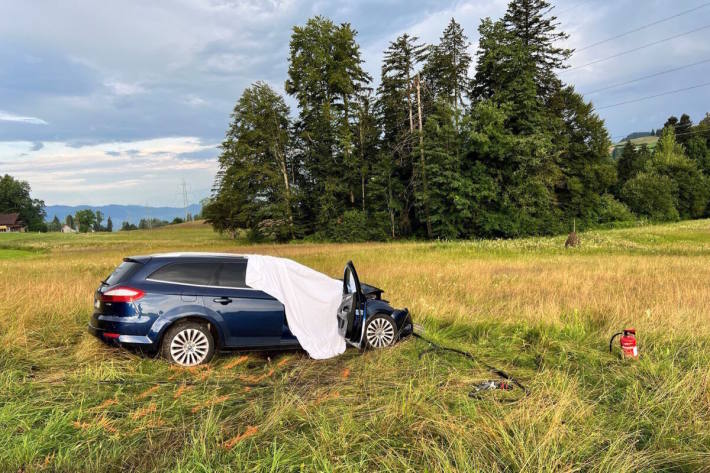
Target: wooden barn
{"x":11,"y":223}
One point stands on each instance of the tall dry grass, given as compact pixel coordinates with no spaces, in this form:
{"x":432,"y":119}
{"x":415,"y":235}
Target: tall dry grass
{"x":69,"y":403}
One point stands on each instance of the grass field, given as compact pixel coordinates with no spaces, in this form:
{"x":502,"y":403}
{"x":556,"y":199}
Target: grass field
{"x":649,"y":141}
{"x":530,"y":307}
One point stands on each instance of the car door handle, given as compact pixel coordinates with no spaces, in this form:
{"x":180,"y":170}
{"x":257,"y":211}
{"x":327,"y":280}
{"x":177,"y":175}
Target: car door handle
{"x":223,"y":300}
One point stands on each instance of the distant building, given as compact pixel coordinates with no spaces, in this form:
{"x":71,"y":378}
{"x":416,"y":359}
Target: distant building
{"x":67,"y":229}
{"x":11,"y":223}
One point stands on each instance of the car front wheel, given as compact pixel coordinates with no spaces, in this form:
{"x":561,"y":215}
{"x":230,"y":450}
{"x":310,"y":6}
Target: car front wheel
{"x":380,"y":331}
{"x":188,"y":344}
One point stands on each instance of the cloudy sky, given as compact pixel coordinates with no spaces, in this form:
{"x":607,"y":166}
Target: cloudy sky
{"x":119,"y":101}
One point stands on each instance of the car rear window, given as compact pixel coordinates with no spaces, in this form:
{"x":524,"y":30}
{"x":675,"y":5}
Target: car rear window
{"x":233,"y":274}
{"x":122,"y":272}
{"x":202,"y":274}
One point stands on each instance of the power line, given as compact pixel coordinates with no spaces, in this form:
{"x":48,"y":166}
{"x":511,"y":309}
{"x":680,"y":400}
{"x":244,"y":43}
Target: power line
{"x":643,"y":27}
{"x":569,"y":8}
{"x":654,"y":96}
{"x":629,"y":51}
{"x":638,"y":79}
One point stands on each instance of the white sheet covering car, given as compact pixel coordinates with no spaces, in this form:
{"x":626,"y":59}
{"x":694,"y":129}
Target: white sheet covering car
{"x":311,"y":300}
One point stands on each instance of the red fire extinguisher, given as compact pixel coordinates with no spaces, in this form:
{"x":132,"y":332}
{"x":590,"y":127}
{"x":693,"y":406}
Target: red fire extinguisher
{"x":629,"y":348}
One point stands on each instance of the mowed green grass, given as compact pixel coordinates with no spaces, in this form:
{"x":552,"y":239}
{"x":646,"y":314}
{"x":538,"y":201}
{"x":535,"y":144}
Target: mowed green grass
{"x":530,"y":307}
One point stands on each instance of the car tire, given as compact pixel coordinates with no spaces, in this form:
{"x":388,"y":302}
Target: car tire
{"x":380,"y":331}
{"x":188,"y":344}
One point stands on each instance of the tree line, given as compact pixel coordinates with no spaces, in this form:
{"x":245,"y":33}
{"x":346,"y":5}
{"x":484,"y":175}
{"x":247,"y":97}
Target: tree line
{"x":671,"y":181}
{"x":15,"y":197}
{"x":150,"y":223}
{"x":435,"y":153}
{"x":82,"y":221}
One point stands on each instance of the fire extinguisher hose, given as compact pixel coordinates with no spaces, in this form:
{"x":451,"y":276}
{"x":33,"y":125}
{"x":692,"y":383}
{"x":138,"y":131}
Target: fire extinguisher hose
{"x":612,"y":340}
{"x":502,"y":374}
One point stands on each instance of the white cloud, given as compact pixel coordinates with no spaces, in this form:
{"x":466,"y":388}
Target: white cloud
{"x":174,"y":69}
{"x":124,"y":88}
{"x":137,"y":172}
{"x":11,"y":117}
{"x":194,"y":100}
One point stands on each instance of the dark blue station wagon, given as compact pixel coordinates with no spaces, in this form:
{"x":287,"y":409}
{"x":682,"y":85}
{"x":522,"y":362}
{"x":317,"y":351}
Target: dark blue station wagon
{"x":189,"y":305}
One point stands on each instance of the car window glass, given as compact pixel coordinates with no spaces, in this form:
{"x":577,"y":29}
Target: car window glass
{"x":121,"y":273}
{"x":202,"y":274}
{"x":233,"y":274}
{"x":350,"y":282}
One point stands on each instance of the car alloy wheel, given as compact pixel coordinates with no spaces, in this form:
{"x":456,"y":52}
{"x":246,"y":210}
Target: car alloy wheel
{"x":189,"y":344}
{"x":189,"y":347}
{"x":380,"y":331}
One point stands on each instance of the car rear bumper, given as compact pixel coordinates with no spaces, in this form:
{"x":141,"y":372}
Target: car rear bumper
{"x":124,"y":330}
{"x":124,"y":339}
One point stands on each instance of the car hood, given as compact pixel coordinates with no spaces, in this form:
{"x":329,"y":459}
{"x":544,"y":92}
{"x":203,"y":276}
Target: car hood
{"x":371,"y":292}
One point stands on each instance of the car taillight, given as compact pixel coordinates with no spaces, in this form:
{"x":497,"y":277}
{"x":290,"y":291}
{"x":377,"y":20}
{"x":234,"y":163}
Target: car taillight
{"x":122,"y":294}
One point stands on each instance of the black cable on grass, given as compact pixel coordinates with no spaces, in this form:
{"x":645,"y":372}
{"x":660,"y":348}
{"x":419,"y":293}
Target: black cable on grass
{"x":212,"y":384}
{"x":500,"y":373}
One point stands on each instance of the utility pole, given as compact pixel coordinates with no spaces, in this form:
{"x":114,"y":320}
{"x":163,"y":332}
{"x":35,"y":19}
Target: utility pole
{"x":150,"y":218}
{"x":429,"y":231}
{"x":183,"y":185}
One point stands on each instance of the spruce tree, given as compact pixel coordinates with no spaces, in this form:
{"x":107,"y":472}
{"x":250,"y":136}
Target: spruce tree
{"x":326,"y":77}
{"x":447,"y":65}
{"x":448,"y":192}
{"x":586,"y":170}
{"x":397,"y":117}
{"x":682,"y":130}
{"x":627,"y":166}
{"x":506,"y":75}
{"x":537,"y":30}
{"x":55,"y":225}
{"x":253,"y":189}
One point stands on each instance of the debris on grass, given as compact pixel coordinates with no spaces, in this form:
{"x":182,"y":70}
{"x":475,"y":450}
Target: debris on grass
{"x":143,"y":411}
{"x":181,"y":390}
{"x":248,"y":432}
{"x":49,"y":458}
{"x":252,"y":378}
{"x":106,"y":403}
{"x":235,"y":362}
{"x":346,"y":373}
{"x":103,"y":422}
{"x":155,"y":423}
{"x":210,"y":403}
{"x":327,"y":397}
{"x":148,"y":392}
{"x":204,"y":374}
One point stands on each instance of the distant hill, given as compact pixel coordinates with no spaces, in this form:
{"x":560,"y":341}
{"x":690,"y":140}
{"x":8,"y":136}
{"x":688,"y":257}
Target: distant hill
{"x":648,"y":140}
{"x":123,"y":213}
{"x":638,"y":134}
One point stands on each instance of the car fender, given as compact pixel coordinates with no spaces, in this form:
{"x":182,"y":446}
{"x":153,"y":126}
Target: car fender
{"x":376,"y":306}
{"x":186,"y":312}
{"x":381,"y":307}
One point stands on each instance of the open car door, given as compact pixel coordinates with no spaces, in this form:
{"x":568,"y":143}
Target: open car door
{"x":351,"y":305}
